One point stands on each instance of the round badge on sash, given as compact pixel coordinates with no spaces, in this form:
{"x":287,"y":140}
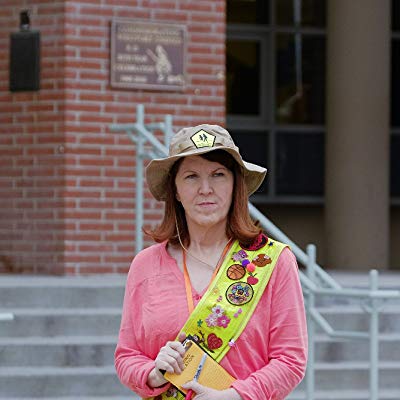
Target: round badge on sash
{"x":239,"y":293}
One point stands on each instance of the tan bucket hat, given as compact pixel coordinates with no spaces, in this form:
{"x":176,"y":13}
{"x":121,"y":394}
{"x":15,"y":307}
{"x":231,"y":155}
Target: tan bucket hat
{"x":194,"y":141}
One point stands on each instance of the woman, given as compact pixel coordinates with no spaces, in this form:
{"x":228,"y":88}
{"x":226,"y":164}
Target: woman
{"x":250,"y":315}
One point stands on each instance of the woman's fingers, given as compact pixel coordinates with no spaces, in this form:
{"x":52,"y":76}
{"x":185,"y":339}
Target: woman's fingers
{"x":195,"y":386}
{"x":177,"y":346}
{"x":182,"y":336}
{"x":206,"y":393}
{"x":170,"y":357}
{"x":201,"y":391}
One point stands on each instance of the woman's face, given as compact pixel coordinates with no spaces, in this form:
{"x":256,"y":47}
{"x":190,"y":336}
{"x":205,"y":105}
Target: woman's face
{"x":205,"y":190}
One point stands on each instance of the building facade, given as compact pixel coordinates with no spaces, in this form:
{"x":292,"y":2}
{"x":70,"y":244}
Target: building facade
{"x":304,"y":87}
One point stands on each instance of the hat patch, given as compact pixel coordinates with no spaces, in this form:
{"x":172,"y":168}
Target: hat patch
{"x":203,"y":139}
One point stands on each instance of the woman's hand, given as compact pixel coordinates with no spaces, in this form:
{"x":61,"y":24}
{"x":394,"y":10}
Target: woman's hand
{"x":206,"y":393}
{"x":170,"y":359}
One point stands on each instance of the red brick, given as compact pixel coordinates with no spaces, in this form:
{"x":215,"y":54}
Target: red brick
{"x":96,"y":162}
{"x":106,"y":140}
{"x":92,"y":32}
{"x":192,"y":7}
{"x":102,"y":119}
{"x":97,"y":11}
{"x":83,"y":150}
{"x":97,"y":269}
{"x":136,"y":13}
{"x":118,"y":237}
{"x":79,"y":42}
{"x":119,"y":152}
{"x":93,"y":75}
{"x":82,"y":193}
{"x":86,"y":128}
{"x":126,"y":163}
{"x":96,"y":183}
{"x":87,"y":226}
{"x":82,"y":258}
{"x":78,"y":64}
{"x":171,"y":16}
{"x":97,"y":247}
{"x":95,"y":108}
{"x":118,"y":258}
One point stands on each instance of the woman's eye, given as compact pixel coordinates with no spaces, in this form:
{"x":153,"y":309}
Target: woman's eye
{"x":191,"y":176}
{"x":218,"y":174}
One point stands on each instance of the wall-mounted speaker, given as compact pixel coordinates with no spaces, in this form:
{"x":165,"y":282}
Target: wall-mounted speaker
{"x":24,"y":61}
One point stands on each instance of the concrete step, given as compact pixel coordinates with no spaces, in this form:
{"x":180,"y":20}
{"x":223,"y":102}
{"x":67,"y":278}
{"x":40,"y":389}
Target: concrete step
{"x":61,"y":343}
{"x":61,"y":292}
{"x":336,"y":350}
{"x":62,"y":322}
{"x":56,"y":382}
{"x":63,"y":351}
{"x":133,"y":396}
{"x":130,"y":397}
{"x":345,"y":395}
{"x":80,"y":351}
{"x":354,"y":376}
{"x":102,"y":381}
{"x":106,"y":321}
{"x":360,"y":280}
{"x":386,"y":279}
{"x":354,"y":318}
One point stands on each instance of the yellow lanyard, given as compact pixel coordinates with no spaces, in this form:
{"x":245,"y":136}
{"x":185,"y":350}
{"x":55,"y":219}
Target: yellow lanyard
{"x":188,"y":284}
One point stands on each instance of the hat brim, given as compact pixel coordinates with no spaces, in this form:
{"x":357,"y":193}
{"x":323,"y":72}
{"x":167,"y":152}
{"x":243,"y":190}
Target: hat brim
{"x":157,"y":171}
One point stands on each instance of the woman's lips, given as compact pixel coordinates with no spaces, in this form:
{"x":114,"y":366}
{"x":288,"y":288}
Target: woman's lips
{"x":206,"y":204}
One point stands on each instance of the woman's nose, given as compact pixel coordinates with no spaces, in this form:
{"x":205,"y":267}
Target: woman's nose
{"x":205,"y":187}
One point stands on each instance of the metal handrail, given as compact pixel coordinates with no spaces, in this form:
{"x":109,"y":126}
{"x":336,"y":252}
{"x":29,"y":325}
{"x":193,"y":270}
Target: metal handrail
{"x":315,"y":281}
{"x":311,"y":284}
{"x":6,"y":316}
{"x":144,"y":133}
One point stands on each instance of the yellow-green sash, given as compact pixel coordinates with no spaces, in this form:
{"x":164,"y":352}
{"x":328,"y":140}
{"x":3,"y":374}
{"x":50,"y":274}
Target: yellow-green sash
{"x":229,"y":302}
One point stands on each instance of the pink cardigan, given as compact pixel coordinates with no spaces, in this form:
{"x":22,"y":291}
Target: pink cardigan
{"x":270,"y":356}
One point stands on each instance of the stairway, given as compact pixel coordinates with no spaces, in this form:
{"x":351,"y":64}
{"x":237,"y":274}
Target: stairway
{"x":61,"y":343}
{"x":342,"y":365}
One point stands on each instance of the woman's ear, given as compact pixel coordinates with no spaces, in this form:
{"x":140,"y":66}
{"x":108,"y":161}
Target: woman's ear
{"x":177,"y":196}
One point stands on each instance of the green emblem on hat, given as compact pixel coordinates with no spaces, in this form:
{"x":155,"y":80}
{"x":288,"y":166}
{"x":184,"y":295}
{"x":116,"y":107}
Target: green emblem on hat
{"x":203,"y":139}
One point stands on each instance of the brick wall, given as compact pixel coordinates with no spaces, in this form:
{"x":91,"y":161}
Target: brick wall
{"x":67,"y":183}
{"x":31,"y":137}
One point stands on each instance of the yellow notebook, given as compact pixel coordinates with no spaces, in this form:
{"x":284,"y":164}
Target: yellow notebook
{"x":212,"y":374}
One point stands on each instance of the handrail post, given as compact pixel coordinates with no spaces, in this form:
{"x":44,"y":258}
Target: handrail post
{"x":139,"y":179}
{"x":139,"y":193}
{"x":168,"y":132}
{"x":374,"y":339}
{"x":310,"y":373}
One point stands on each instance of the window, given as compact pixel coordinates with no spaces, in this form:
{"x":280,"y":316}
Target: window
{"x":395,"y":166}
{"x":309,"y":107}
{"x":276,"y":53}
{"x":312,"y":12}
{"x":243,"y":77}
{"x":396,"y":15}
{"x":395,"y":83}
{"x":395,"y":105}
{"x":276,"y":93}
{"x":248,"y":11}
{"x":300,"y":163}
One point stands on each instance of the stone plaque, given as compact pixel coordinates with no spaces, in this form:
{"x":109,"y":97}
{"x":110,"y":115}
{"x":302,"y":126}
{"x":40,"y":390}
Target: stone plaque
{"x":147,"y":55}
